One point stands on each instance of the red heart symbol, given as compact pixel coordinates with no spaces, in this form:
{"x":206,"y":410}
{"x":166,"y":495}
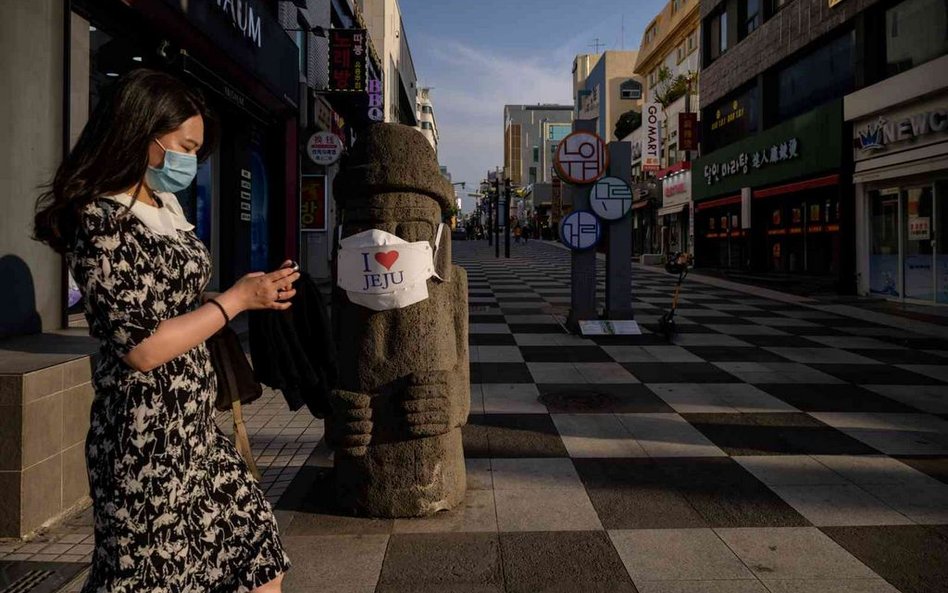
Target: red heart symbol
{"x":387,"y":259}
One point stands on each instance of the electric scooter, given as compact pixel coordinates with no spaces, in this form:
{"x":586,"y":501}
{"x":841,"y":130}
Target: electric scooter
{"x":679,"y":263}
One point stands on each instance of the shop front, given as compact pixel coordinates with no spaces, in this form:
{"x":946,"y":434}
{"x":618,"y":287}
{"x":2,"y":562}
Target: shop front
{"x":900,"y":153}
{"x":773,"y":204}
{"x":675,"y":215}
{"x":244,"y":199}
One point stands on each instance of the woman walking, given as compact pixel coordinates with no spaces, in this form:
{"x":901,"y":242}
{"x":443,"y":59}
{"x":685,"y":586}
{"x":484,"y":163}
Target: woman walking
{"x":175,"y":507}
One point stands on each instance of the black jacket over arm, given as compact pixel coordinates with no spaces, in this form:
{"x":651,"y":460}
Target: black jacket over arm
{"x":293,"y":350}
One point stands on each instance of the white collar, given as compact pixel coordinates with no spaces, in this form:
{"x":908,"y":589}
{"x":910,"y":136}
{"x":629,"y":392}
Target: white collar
{"x":167,"y":220}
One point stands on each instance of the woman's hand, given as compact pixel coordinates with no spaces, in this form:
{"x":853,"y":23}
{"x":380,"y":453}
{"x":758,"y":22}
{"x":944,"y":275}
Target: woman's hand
{"x":258,"y":290}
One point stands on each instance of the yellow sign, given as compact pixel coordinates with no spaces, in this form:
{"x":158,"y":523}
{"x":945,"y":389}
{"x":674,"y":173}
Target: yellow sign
{"x":833,"y":3}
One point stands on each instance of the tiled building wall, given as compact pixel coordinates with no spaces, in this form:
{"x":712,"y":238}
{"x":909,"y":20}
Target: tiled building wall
{"x":795,"y":26}
{"x":44,"y":417}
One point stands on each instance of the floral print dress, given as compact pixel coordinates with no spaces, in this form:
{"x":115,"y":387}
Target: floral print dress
{"x":176,"y":510}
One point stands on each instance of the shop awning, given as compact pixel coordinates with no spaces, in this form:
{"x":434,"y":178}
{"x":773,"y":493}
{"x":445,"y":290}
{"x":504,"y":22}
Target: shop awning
{"x":673,"y":209}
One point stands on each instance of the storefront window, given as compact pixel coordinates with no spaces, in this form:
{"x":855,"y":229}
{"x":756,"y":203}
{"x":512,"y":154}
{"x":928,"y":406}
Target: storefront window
{"x":752,"y":17}
{"x":940,"y":232}
{"x":916,"y":31}
{"x":717,"y":35}
{"x":909,"y":242}
{"x":918,"y":263}
{"x":821,"y":76}
{"x":731,"y":119}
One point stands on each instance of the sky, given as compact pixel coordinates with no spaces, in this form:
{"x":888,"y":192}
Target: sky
{"x":480,"y":55}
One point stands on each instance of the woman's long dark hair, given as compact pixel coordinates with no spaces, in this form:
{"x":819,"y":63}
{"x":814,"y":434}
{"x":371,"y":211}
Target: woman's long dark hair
{"x":111,"y":154}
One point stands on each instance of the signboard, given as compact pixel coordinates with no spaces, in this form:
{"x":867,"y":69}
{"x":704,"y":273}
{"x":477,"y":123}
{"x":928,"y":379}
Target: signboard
{"x":676,"y":189}
{"x":313,"y":203}
{"x":687,"y":131}
{"x":376,"y":100}
{"x":595,"y":327}
{"x":807,"y":145}
{"x":732,"y":119}
{"x":348,"y":69}
{"x":610,"y":198}
{"x":580,"y":230}
{"x":324,"y":148}
{"x":247,"y":32}
{"x":581,"y":158}
{"x":901,"y":129}
{"x":740,"y":163}
{"x":652,"y":149}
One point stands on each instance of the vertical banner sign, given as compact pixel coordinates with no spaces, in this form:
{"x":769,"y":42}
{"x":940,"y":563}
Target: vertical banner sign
{"x":376,"y":100}
{"x":687,"y":131}
{"x":652,"y":153}
{"x":556,"y":209}
{"x":313,"y":203}
{"x":347,"y":60}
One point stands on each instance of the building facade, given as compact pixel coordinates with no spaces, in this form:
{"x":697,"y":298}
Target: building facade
{"x":773,"y":190}
{"x":668,"y":63}
{"x":900,"y":154}
{"x":608,"y":90}
{"x":531,"y":134}
{"x":427,"y":123}
{"x":387,"y":30}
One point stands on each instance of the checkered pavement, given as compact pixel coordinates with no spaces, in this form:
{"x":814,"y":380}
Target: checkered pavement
{"x":770,"y":447}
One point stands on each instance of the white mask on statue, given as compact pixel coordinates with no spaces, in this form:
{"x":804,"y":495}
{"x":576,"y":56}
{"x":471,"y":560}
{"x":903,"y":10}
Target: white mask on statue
{"x":381,"y":271}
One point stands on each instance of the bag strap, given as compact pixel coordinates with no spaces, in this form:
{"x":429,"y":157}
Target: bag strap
{"x":241,"y":440}
{"x":240,"y":429}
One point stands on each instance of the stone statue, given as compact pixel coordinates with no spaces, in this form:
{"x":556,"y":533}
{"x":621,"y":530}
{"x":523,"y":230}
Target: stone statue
{"x":404,"y":381}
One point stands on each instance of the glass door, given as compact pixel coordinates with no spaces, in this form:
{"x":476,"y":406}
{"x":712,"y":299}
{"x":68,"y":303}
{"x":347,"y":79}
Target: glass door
{"x":884,"y":255}
{"x":918,"y":266}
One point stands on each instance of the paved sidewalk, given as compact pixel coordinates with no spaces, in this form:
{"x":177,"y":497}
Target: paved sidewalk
{"x":282,"y":440}
{"x":770,"y":447}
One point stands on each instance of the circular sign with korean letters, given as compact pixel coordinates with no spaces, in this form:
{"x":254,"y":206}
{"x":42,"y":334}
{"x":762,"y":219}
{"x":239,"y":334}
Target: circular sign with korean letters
{"x":324,"y":148}
{"x":610,"y":198}
{"x":580,"y":230}
{"x":581,"y":158}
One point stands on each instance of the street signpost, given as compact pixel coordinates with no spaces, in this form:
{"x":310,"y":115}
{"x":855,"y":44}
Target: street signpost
{"x":619,"y":254}
{"x":611,"y":198}
{"x":580,"y":230}
{"x":581,"y":159}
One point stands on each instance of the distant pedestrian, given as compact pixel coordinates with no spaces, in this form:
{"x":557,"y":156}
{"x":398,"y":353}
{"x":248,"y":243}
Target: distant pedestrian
{"x":517,"y":232}
{"x":176,"y":508}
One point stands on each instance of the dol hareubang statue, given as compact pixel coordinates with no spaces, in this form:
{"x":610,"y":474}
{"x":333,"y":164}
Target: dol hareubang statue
{"x":400,"y":322}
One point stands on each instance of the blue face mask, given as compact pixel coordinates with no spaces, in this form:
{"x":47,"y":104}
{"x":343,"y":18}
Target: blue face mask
{"x":176,"y":174}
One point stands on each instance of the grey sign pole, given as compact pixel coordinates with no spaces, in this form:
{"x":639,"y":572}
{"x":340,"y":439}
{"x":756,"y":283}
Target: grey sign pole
{"x":583,"y":269}
{"x":619,"y":255}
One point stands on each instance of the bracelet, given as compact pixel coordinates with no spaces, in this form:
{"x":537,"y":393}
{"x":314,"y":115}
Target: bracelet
{"x":221,"y":307}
